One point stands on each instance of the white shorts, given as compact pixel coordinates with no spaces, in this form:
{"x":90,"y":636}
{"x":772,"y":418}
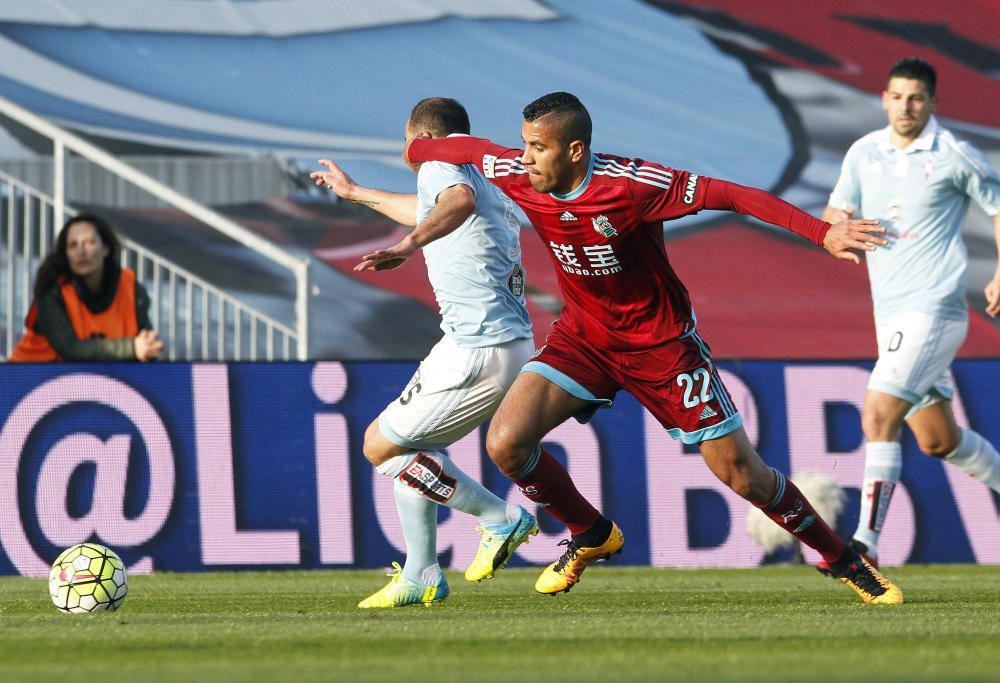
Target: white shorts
{"x":454,"y":390}
{"x":915,"y":352}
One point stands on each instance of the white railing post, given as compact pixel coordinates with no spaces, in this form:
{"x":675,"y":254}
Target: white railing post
{"x":58,"y":183}
{"x":302,"y":307}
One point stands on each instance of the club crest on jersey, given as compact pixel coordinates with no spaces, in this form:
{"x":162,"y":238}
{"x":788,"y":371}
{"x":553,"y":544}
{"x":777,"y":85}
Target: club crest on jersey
{"x":928,"y":169}
{"x":515,"y":283}
{"x":604,"y":227}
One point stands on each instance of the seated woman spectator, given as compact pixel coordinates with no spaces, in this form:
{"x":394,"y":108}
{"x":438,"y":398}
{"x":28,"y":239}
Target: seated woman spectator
{"x":86,"y":306}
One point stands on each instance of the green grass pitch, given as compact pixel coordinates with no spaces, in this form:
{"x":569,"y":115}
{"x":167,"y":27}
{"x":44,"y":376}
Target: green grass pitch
{"x":618,"y":624}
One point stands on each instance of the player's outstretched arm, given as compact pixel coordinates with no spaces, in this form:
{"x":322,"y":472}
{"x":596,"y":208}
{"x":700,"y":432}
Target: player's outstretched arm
{"x":992,"y":290}
{"x":454,"y":205}
{"x":461,"y":149}
{"x":846,"y":237}
{"x":401,"y":208}
{"x":840,"y":239}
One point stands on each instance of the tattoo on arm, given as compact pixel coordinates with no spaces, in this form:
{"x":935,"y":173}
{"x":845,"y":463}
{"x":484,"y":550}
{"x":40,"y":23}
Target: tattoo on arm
{"x":370,"y":203}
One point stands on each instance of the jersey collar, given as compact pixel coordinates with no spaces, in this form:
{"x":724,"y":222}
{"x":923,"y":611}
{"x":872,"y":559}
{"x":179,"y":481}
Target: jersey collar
{"x":573,"y":194}
{"x":923,"y":143}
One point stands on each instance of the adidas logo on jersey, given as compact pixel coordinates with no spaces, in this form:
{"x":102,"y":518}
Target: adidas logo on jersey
{"x":567,"y":217}
{"x":706,"y":413}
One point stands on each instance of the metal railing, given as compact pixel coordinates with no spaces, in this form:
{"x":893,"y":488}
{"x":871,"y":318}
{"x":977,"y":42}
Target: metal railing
{"x":196,"y":320}
{"x":210,"y":180}
{"x":194,"y":315}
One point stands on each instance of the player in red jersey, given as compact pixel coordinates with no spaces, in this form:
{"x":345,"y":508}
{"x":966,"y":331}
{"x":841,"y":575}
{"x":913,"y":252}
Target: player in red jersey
{"x":628,"y":324}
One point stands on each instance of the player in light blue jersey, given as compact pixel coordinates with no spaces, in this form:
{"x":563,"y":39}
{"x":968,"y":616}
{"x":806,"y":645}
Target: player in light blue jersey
{"x":469,"y":233}
{"x":917,"y":179}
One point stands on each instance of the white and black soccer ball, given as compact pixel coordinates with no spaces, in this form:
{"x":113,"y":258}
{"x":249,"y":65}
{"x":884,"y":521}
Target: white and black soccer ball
{"x":88,"y":578}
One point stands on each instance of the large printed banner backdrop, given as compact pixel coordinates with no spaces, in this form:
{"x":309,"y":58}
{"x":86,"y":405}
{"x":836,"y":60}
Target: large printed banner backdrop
{"x":185,"y":467}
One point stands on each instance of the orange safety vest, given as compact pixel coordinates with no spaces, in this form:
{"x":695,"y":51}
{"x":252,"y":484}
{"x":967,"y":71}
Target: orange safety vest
{"x":118,"y":320}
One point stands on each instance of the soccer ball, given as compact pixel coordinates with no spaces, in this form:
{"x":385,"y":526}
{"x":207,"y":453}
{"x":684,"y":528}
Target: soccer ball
{"x":88,"y":578}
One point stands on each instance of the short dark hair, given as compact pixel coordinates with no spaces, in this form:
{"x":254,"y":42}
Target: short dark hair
{"x":441,"y":116}
{"x":917,"y":70}
{"x":574,"y":119}
{"x":56,"y":263}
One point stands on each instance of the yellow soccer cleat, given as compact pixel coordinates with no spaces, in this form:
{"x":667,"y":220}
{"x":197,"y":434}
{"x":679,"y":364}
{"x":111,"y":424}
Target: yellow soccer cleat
{"x":563,"y":574}
{"x":824,"y":567}
{"x":498,"y":545}
{"x":400,"y":592}
{"x":866,"y":581}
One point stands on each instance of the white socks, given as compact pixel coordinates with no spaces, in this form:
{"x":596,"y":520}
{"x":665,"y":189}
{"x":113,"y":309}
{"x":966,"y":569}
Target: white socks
{"x":437,"y":478}
{"x":423,"y":478}
{"x":978,"y":458}
{"x":418,"y":518}
{"x":883,"y":462}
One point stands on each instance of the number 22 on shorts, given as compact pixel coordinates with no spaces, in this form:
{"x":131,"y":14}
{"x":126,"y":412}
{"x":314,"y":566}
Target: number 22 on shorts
{"x":690,"y":381}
